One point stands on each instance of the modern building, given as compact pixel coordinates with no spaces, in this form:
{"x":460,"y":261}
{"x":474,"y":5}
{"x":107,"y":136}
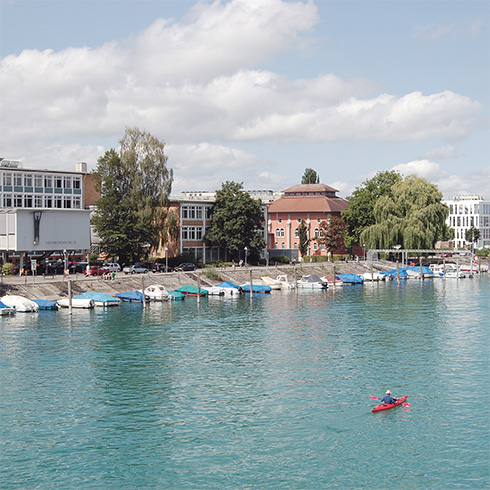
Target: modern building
{"x":311,"y":203}
{"x":466,"y":212}
{"x":44,"y":211}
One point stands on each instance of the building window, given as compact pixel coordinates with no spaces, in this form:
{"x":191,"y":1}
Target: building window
{"x":7,"y":178}
{"x":279,"y":220}
{"x":295,"y":244}
{"x":299,"y":220}
{"x":18,"y":180}
{"x":318,"y":220}
{"x":276,"y":245}
{"x":48,"y":201}
{"x":191,"y":212}
{"x":58,"y":182}
{"x":48,"y":181}
{"x":315,"y":246}
{"x":27,"y":180}
{"x":77,"y":183}
{"x":67,"y":182}
{"x":316,"y":232}
{"x":278,"y":233}
{"x":38,"y":201}
{"x":17,"y":201}
{"x":28,"y":201}
{"x":77,"y":202}
{"x":283,"y":245}
{"x":58,"y":202}
{"x":67,"y":202}
{"x":192,"y":233}
{"x":296,"y":233}
{"x":7,"y":201}
{"x":38,"y":180}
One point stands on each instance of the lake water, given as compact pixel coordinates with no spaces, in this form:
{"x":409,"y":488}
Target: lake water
{"x":268,"y":394}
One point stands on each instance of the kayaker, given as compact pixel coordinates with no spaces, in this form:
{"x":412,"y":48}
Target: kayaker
{"x":388,"y":398}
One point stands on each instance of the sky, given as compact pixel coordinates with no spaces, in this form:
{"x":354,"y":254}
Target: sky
{"x":253,"y":91}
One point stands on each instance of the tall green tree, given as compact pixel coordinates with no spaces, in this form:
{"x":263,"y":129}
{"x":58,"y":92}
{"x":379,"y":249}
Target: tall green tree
{"x":304,"y":241}
{"x":472,"y":235}
{"x":413,"y":217}
{"x":360,"y":214}
{"x":237,"y":221}
{"x":310,"y":177}
{"x":132,"y":214}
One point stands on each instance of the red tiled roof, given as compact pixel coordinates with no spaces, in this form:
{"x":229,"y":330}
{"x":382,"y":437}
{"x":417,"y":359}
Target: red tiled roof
{"x":309,"y":188}
{"x":308,"y":204}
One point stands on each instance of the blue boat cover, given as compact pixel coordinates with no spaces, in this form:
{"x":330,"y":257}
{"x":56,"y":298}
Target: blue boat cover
{"x":403,"y":271}
{"x":176,"y":295}
{"x":192,"y":290}
{"x":350,"y":278}
{"x":227,"y":284}
{"x":102,"y":297}
{"x":45,"y":304}
{"x":256,"y":288}
{"x":132,"y":296}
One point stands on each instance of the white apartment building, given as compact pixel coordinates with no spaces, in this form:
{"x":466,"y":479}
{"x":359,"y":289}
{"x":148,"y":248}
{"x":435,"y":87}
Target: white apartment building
{"x":466,"y":212}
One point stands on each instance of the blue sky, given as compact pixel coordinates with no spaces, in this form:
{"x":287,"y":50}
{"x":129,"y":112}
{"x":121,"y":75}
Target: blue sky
{"x":253,"y":91}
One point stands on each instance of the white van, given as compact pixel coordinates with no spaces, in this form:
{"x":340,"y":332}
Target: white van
{"x":111,"y":266}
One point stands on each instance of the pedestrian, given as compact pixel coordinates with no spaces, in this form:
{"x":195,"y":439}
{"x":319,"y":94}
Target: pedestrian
{"x":388,"y":399}
{"x":240,"y":263}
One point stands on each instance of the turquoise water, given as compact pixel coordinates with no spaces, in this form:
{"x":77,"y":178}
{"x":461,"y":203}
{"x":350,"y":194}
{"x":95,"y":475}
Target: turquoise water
{"x":268,"y":394}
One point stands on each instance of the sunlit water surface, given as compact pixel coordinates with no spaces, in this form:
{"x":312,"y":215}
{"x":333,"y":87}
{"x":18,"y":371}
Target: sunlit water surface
{"x":268,"y":394}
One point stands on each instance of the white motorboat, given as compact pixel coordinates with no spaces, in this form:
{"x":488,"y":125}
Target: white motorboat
{"x":85,"y":303}
{"x":274,"y":285}
{"x":6,"y":310}
{"x":311,"y":281}
{"x":20,"y":303}
{"x":373,"y":276}
{"x":157,"y":292}
{"x":215,"y":291}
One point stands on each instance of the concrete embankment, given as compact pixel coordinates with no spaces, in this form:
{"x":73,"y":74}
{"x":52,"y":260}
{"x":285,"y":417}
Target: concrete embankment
{"x":55,"y":287}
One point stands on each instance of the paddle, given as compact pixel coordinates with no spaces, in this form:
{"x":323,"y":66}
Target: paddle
{"x":403,"y":404}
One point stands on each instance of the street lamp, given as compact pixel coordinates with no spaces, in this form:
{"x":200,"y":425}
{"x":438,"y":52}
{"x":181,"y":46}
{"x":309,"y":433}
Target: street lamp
{"x":364,"y":250}
{"x":246,"y":256}
{"x":166,"y":259}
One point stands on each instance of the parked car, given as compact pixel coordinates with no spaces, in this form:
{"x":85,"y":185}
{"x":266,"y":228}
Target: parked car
{"x":78,"y":267}
{"x":135,"y":269}
{"x":112,"y":266}
{"x":161,"y":268}
{"x":95,"y":270}
{"x":187,"y":266}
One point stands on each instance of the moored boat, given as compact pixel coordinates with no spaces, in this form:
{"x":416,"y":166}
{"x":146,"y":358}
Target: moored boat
{"x":20,"y":303}
{"x":100,"y":299}
{"x":192,"y":291}
{"x":351,"y":278}
{"x":157,"y":292}
{"x":132,"y":297}
{"x":45,"y":304}
{"x":312,"y":281}
{"x":6,"y":310}
{"x":256,"y":288}
{"x":83,"y":303}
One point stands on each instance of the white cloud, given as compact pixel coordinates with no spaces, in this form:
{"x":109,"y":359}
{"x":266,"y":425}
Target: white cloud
{"x":200,"y":80}
{"x":423,"y":168}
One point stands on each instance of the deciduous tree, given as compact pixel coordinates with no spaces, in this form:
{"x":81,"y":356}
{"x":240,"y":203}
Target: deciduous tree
{"x":132,"y":214}
{"x":310,"y":177}
{"x":304,"y":241}
{"x":332,"y":233}
{"x":237,"y":221}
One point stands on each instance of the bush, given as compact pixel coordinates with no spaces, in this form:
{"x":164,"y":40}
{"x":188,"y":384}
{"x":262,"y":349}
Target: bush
{"x":6,"y":268}
{"x":482,"y":253}
{"x":279,"y":259}
{"x":211,"y":273}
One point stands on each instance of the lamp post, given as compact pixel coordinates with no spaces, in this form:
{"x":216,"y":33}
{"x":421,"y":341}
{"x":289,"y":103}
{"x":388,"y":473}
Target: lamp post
{"x":166,"y":259}
{"x":246,"y":249}
{"x":364,"y":251}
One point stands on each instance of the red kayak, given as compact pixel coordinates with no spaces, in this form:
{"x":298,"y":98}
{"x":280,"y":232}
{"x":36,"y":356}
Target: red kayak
{"x":387,"y":406}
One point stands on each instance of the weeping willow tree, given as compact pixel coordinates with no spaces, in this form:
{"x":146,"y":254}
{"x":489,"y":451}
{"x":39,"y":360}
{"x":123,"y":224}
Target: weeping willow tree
{"x":413,"y":217}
